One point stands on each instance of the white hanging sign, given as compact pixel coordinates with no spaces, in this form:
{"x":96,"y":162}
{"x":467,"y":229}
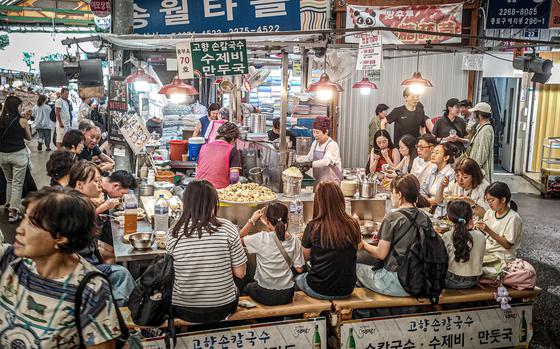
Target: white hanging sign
{"x":370,"y":52}
{"x":184,"y":60}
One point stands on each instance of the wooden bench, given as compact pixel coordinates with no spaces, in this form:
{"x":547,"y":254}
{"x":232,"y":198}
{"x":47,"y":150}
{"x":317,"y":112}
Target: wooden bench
{"x":363,"y":298}
{"x":301,"y":305}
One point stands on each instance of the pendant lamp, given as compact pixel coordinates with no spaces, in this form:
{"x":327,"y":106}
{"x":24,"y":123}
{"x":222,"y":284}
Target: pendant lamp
{"x":365,"y":86}
{"x":324,"y":88}
{"x":141,"y":80}
{"x":417,"y":83}
{"x":177,"y":91}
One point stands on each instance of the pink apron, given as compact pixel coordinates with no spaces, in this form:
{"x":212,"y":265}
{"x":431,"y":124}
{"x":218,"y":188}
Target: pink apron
{"x":212,"y":130}
{"x":213,"y":163}
{"x":328,"y":173}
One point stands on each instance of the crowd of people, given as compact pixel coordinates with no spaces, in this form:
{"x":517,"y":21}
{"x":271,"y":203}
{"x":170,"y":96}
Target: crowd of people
{"x":444,"y":168}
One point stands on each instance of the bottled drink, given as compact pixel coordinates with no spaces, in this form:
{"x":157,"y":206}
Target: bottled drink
{"x":348,"y":205}
{"x":296,"y":215}
{"x":161,"y":214}
{"x":130,"y":212}
{"x":151,"y":177}
{"x":316,"y":338}
{"x":351,"y":342}
{"x":523,"y":329}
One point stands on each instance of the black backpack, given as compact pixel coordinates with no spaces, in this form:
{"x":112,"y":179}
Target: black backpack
{"x":423,"y":268}
{"x":52,"y":115}
{"x":121,"y":341}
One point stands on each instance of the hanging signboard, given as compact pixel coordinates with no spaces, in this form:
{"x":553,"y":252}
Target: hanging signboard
{"x":100,"y":8}
{"x":225,"y":16}
{"x":117,"y":107}
{"x":219,"y":58}
{"x":184,"y":60}
{"x":472,"y":62}
{"x":310,"y":334}
{"x":134,"y":131}
{"x":554,"y":14}
{"x":370,"y":52}
{"x":433,"y":18}
{"x":477,"y":329}
{"x":519,"y":14}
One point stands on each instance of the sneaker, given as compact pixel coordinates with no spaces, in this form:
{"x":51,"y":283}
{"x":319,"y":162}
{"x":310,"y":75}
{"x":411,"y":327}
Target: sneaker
{"x":48,"y":149}
{"x":40,"y":146}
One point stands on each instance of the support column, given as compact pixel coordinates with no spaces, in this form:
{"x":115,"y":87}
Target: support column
{"x":284,"y":116}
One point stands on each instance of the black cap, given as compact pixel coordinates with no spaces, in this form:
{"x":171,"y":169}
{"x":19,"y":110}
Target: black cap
{"x":465,"y":103}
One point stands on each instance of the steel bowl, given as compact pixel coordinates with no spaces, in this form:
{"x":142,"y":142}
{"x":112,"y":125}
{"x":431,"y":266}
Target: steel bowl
{"x":142,"y":241}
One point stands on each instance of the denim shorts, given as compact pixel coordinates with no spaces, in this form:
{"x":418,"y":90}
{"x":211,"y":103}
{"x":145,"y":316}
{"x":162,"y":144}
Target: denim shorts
{"x":301,"y":284}
{"x":381,"y":281}
{"x":457,"y":281}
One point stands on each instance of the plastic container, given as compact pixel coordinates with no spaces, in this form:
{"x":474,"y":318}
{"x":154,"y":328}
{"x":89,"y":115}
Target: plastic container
{"x":195,"y":144}
{"x":177,"y":148}
{"x":161,"y":214}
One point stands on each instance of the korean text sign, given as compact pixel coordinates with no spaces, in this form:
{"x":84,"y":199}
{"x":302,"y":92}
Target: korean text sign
{"x":219,"y":58}
{"x":309,"y":334}
{"x":475,"y":329}
{"x":519,"y":14}
{"x":433,"y":18}
{"x":370,"y":52}
{"x":215,"y":16}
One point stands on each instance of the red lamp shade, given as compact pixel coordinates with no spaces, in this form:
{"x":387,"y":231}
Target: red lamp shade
{"x":324,"y":83}
{"x":177,"y":86}
{"x":140,"y":76}
{"x":417,"y":80}
{"x":365,"y":83}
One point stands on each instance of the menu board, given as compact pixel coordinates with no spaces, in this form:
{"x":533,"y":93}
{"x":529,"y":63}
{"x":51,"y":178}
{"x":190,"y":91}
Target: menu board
{"x":219,"y":58}
{"x":134,"y":131}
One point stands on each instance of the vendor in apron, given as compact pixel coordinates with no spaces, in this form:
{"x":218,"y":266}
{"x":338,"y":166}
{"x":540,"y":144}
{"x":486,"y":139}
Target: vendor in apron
{"x":219,"y":161}
{"x":324,"y":153}
{"x":202,"y":126}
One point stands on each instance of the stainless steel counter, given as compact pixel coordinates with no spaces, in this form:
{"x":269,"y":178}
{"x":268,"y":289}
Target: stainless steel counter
{"x":125,"y":252}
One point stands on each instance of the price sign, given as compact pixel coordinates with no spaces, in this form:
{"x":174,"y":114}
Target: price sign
{"x":100,"y":8}
{"x":184,"y":60}
{"x":369,"y":52}
{"x":220,"y":58}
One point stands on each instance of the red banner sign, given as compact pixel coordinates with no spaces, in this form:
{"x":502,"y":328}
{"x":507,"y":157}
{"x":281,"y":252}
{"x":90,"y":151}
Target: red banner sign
{"x":432,"y":18}
{"x":554,"y":14}
{"x":100,"y":8}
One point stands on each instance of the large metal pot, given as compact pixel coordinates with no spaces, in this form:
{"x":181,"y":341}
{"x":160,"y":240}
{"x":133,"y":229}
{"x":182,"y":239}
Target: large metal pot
{"x":291,"y":186}
{"x":256,"y":175}
{"x":368,"y":189}
{"x":303,"y":144}
{"x":146,"y":190}
{"x":258,"y":123}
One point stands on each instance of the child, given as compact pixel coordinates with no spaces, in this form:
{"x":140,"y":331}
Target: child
{"x":273,"y":283}
{"x":465,"y":247}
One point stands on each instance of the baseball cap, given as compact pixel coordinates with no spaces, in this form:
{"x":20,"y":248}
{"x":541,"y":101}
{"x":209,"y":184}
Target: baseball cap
{"x":483,"y":107}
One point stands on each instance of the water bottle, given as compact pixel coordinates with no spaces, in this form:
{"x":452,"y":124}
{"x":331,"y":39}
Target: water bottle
{"x":296,"y":215}
{"x":130,"y":213}
{"x":161,"y":214}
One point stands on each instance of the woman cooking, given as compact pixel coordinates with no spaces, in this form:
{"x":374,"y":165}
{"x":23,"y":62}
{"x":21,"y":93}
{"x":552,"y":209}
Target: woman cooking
{"x":324,"y":153}
{"x":219,"y":161}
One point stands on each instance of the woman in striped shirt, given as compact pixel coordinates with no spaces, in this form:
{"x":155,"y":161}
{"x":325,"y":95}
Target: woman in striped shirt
{"x":207,"y":254}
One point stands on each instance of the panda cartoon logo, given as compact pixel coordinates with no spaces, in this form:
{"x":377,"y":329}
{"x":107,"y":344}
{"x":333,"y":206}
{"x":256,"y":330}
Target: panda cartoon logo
{"x":364,"y":19}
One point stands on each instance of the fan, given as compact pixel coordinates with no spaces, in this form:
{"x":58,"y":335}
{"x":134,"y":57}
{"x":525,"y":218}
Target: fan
{"x":340,"y":64}
{"x":256,"y":77}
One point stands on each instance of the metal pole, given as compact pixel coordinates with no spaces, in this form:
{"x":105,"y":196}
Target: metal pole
{"x":284,"y":115}
{"x":304,"y":69}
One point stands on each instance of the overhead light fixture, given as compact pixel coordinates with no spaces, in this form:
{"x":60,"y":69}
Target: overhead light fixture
{"x":177,"y":91}
{"x":140,"y":80}
{"x":417,"y":84}
{"x":324,"y":88}
{"x":532,"y":63}
{"x":365,"y":86}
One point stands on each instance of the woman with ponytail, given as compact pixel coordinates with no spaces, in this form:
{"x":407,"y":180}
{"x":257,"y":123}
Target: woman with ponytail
{"x":502,"y":224}
{"x":273,"y":283}
{"x":465,"y":247}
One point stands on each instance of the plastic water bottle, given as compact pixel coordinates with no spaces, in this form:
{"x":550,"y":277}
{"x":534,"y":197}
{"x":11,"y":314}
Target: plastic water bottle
{"x":130,"y":213}
{"x":296,"y":215}
{"x":161,"y":214}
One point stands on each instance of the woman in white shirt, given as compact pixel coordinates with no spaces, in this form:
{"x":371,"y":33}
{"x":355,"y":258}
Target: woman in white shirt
{"x":502,"y":225}
{"x":324,"y":153}
{"x":469,"y":185}
{"x":273,"y":283}
{"x":442,"y":158}
{"x":465,"y":247}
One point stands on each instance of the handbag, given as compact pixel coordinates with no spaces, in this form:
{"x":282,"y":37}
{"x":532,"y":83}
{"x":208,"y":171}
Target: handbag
{"x":121,"y":340}
{"x":519,"y":274}
{"x":467,"y":153}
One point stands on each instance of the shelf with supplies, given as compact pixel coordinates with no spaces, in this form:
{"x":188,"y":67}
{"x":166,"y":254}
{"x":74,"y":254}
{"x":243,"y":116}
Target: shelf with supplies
{"x":550,"y":167}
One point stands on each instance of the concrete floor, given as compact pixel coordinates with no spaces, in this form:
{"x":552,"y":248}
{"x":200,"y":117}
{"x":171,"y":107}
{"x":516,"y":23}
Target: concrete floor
{"x":541,"y":247}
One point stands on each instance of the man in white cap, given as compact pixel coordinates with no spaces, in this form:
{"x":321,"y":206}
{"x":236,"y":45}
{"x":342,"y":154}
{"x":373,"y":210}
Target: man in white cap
{"x":481,"y":148}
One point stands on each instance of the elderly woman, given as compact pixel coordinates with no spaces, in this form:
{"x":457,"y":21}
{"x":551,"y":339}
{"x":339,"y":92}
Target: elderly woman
{"x":324,"y":154}
{"x":41,"y":272}
{"x":219,"y":161}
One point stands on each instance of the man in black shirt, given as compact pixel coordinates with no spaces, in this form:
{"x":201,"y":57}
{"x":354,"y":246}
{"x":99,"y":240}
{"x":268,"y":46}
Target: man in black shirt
{"x":92,"y":135}
{"x":274,"y":134}
{"x":409,"y":118}
{"x":452,"y":128}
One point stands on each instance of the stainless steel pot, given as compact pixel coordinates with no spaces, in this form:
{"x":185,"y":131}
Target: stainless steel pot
{"x":291,"y":186}
{"x":163,"y":186}
{"x":256,"y":175}
{"x":146,"y":190}
{"x":368,"y":189}
{"x":258,"y":123}
{"x":303,"y":144}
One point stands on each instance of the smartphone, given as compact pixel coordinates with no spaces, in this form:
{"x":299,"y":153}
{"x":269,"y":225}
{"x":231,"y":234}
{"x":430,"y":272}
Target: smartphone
{"x":247,"y":304}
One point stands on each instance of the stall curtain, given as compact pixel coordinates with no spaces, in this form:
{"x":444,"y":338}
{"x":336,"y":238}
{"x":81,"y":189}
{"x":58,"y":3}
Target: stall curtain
{"x":548,"y":108}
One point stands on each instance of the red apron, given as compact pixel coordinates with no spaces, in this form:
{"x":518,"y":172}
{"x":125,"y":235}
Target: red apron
{"x":213,"y":163}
